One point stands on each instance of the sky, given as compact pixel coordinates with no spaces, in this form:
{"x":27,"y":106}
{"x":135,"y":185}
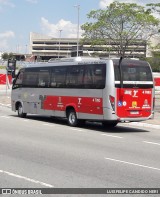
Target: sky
{"x":20,"y":17}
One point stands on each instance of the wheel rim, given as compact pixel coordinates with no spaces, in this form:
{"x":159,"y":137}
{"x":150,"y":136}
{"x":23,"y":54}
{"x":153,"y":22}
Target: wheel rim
{"x":20,"y":110}
{"x":72,"y":118}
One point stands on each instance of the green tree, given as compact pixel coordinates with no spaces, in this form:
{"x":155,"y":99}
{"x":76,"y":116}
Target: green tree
{"x":154,"y":7}
{"x":7,"y":56}
{"x":11,"y":56}
{"x":120,"y":24}
{"x":154,"y":60}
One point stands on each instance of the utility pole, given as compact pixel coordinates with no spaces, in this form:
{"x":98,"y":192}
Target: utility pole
{"x":78,"y":8}
{"x":60,"y":30}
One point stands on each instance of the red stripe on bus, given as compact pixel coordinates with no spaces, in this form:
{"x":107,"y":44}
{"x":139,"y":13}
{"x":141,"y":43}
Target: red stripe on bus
{"x":89,"y":105}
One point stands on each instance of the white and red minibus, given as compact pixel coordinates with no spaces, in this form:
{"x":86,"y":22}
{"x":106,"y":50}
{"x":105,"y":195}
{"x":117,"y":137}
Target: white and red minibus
{"x":79,"y":89}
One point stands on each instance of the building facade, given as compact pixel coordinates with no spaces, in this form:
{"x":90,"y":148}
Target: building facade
{"x":44,"y":48}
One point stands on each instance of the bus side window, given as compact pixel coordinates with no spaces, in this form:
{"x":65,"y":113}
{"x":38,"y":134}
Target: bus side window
{"x":80,"y":77}
{"x":44,"y":78}
{"x":94,"y":77}
{"x":58,"y":77}
{"x":88,"y":77}
{"x":74,"y":77}
{"x":30,"y":77}
{"x":53,"y":80}
{"x":99,"y":77}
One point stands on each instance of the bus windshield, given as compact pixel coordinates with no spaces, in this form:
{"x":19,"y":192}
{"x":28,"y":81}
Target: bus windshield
{"x":133,"y":71}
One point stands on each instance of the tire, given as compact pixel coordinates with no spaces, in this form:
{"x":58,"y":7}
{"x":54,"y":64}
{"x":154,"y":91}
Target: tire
{"x":21,"y":114}
{"x":72,"y":118}
{"x":109,"y":124}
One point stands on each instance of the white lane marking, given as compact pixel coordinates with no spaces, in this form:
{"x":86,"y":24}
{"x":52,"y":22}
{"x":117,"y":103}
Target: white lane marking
{"x":137,"y":124}
{"x":25,"y":120}
{"x":154,"y":143}
{"x":134,"y":164}
{"x":76,"y":129}
{"x":26,"y":179}
{"x":115,"y":136}
{"x":50,"y":125}
{"x":8,"y":105}
{"x":4,"y":117}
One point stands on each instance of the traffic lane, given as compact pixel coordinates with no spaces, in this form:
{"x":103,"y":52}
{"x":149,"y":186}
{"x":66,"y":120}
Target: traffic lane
{"x":138,"y":135}
{"x":11,"y":180}
{"x":137,"y":132}
{"x":61,"y":175}
{"x":132,"y":132}
{"x":97,"y":174}
{"x":65,"y":154}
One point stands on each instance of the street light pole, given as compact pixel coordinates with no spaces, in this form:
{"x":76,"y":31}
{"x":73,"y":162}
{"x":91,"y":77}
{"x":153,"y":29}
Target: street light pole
{"x":78,"y":8}
{"x":59,"y":41}
{"x":26,"y":49}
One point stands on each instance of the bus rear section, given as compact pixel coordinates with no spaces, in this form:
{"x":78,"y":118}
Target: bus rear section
{"x":134,"y":88}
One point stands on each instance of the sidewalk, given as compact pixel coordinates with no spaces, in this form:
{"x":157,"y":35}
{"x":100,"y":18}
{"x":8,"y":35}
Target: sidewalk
{"x":5,"y":96}
{"x":5,"y":100}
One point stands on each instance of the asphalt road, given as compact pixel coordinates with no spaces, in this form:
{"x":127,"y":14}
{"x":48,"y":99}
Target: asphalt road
{"x":39,"y":152}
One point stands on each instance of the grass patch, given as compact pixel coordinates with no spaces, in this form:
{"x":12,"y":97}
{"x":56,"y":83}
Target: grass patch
{"x":2,"y":67}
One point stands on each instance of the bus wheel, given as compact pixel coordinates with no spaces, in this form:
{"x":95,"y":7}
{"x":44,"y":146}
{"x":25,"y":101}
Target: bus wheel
{"x":109,"y":124}
{"x":20,"y":111}
{"x":72,"y":118}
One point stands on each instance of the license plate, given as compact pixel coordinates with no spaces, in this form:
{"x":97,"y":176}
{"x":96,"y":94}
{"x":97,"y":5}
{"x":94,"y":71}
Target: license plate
{"x":134,"y":112}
